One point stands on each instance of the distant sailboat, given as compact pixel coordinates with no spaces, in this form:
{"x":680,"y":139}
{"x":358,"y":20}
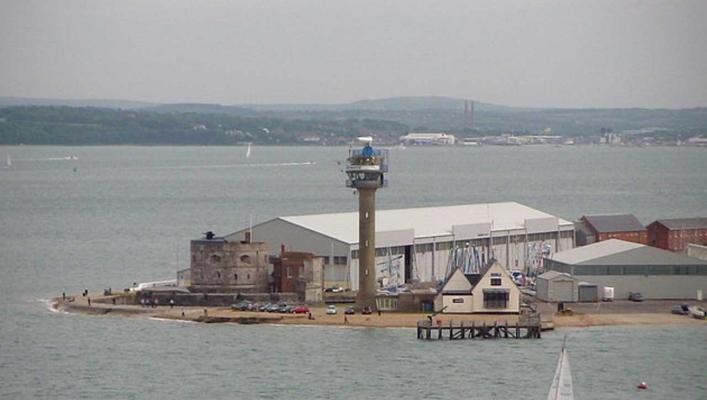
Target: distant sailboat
{"x":247,"y":152}
{"x":8,"y":163}
{"x":561,"y":388}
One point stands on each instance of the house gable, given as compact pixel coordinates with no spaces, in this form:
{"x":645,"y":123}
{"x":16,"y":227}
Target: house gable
{"x":496,"y":281}
{"x":457,"y":284}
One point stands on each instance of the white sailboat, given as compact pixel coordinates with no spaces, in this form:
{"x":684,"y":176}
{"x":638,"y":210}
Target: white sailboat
{"x":562,"y":382}
{"x":247,"y":152}
{"x":8,"y":163}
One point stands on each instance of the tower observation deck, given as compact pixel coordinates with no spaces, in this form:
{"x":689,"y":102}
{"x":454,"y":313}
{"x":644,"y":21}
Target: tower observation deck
{"x":366,"y":168}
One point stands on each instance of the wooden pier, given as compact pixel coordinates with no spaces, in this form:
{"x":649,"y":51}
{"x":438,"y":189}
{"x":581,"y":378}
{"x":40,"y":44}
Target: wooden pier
{"x":453,"y":330}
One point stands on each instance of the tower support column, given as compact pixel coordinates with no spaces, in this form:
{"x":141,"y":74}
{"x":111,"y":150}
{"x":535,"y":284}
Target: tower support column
{"x":366,"y":248}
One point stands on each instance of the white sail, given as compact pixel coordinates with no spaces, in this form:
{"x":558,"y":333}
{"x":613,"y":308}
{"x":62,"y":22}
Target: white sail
{"x":9,"y":161}
{"x":562,"y":382}
{"x":247,"y":152}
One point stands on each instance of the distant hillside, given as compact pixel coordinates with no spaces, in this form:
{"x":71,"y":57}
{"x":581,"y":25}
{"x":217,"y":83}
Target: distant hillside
{"x":90,"y":125}
{"x":102,"y":103}
{"x":200,"y":108}
{"x":411,"y":103}
{"x":419,"y":114}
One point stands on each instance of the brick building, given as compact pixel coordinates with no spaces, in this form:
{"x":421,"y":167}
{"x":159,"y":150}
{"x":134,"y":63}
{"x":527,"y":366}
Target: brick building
{"x":222,"y":266}
{"x":675,"y":234}
{"x":298,"y":272}
{"x":595,"y":228}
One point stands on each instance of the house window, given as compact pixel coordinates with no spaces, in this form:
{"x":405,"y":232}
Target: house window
{"x":495,"y":281}
{"x":289,"y":272}
{"x":496,"y":298}
{"x":301,"y":271}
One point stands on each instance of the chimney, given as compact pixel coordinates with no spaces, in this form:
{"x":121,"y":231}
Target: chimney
{"x":282,"y":249}
{"x":247,"y":237}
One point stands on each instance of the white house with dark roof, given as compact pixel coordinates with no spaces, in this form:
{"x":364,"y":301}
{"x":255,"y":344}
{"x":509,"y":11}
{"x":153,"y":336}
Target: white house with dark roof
{"x":493,"y":291}
{"x":420,"y":241}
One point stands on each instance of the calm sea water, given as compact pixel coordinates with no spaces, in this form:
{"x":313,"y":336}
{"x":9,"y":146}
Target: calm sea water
{"x":123,"y":214}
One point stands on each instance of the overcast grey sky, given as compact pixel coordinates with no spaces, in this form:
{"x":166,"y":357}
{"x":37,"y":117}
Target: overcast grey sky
{"x":563,"y":54}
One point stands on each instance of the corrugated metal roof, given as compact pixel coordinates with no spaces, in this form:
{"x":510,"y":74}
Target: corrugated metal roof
{"x":550,"y":275}
{"x":593,"y":251}
{"x":645,"y":255}
{"x":425,"y":221}
{"x":684,"y":223}
{"x":619,"y":252}
{"x":614,"y":223}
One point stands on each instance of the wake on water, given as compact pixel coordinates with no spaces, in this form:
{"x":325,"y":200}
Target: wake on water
{"x":255,"y":165}
{"x":50,"y":305}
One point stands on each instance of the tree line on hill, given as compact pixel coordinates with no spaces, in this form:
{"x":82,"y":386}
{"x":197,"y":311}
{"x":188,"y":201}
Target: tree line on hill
{"x":386,"y":119}
{"x":93,"y":126}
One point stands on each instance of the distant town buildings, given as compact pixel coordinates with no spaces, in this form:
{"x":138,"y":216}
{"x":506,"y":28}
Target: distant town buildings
{"x":418,"y":139}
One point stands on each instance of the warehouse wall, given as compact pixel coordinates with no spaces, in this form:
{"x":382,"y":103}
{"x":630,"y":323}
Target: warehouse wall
{"x":652,"y":287}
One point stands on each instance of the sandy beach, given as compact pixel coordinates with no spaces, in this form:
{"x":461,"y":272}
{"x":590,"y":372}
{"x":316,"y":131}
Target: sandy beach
{"x":585,"y":315}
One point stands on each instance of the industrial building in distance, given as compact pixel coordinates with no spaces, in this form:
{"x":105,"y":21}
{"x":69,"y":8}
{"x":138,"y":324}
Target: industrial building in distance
{"x":676,"y":233}
{"x":417,"y":139}
{"x":632,"y":268}
{"x":595,"y":228}
{"x":422,"y":244}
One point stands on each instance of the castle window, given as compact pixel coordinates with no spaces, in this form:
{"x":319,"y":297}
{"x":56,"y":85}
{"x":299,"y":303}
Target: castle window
{"x":247,"y":277}
{"x":218,"y":275}
{"x":245,"y":258}
{"x":235,"y":276}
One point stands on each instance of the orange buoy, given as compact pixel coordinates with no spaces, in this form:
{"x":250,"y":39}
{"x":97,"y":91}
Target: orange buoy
{"x":642,"y":385}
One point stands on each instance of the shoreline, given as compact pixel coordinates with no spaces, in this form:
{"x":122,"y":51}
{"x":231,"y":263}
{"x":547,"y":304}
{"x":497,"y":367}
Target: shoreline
{"x":211,"y":314}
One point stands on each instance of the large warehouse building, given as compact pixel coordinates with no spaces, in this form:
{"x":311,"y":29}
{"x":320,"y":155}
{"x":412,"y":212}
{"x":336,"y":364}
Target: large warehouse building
{"x":632,"y":267}
{"x":422,"y":244}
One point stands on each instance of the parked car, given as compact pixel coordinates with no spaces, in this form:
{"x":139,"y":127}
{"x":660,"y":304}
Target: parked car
{"x":253,"y":307}
{"x":242,"y":306}
{"x":264,"y":307}
{"x":349,"y":311}
{"x":286,"y":309}
{"x":300,"y":310}
{"x":635,"y":296}
{"x":366,"y":310}
{"x":337,"y":289}
{"x":680,"y":309}
{"x":331,"y":310}
{"x":273,"y":308}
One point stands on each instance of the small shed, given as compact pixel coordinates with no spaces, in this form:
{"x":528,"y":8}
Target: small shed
{"x":588,"y":292}
{"x":556,"y":287}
